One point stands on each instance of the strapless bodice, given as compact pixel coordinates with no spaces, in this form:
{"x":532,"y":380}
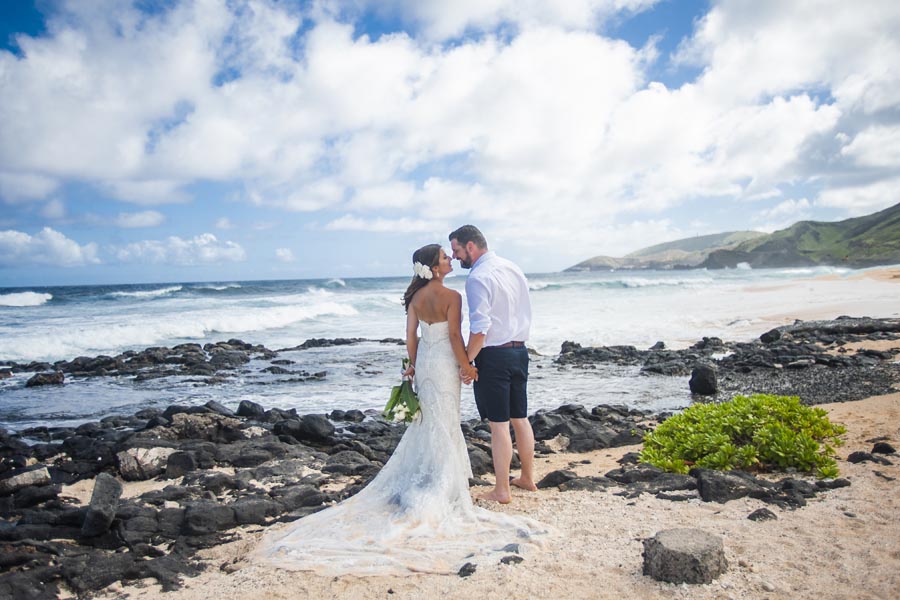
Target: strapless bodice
{"x":433,"y":332}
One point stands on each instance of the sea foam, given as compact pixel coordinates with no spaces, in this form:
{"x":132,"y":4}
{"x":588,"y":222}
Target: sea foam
{"x":148,"y":293}
{"x":25,"y":299}
{"x":111,"y":335}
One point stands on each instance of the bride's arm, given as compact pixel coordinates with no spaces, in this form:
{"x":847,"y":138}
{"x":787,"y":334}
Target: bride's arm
{"x":456,"y":342}
{"x":412,"y":340}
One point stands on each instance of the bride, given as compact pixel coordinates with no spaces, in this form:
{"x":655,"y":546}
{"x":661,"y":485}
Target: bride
{"x":416,"y":515}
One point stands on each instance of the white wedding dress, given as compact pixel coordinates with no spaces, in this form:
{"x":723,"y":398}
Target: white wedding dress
{"x":416,"y":515}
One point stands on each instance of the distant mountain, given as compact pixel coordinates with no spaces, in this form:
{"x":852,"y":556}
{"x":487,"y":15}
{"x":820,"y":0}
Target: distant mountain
{"x":860,"y":242}
{"x":680,"y":254}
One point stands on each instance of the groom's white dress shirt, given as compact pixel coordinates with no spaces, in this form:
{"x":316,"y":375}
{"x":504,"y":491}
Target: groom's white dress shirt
{"x":499,"y":306}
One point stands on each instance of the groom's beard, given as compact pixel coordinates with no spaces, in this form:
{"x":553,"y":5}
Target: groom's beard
{"x":465,"y":264}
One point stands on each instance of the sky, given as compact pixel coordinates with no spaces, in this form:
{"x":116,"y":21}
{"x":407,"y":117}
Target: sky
{"x":217,"y":140}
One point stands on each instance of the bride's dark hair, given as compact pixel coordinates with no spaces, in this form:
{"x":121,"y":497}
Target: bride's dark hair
{"x":429,"y":256}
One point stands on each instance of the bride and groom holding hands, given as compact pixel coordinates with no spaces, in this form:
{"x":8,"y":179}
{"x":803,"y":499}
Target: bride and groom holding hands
{"x":495,"y":359}
{"x":417,"y":514}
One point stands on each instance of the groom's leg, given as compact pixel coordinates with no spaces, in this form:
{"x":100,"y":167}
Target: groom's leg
{"x":501,"y":453}
{"x":525,"y":447}
{"x":492,"y":398}
{"x":518,"y":412}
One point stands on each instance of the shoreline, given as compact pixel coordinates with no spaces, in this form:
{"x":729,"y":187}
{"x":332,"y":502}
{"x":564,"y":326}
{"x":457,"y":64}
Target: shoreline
{"x":201,"y":484}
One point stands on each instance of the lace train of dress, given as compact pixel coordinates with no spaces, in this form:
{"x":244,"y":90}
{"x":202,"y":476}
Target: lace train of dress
{"x":416,"y":515}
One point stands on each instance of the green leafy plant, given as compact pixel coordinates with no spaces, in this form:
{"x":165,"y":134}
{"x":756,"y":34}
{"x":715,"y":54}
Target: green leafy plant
{"x":760,"y":432}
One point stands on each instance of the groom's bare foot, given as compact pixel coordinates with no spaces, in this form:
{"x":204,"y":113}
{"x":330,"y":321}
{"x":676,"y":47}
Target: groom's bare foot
{"x":525,"y":484}
{"x":496,"y":495}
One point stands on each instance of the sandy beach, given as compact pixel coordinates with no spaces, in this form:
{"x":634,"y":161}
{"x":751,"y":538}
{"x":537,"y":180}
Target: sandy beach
{"x":844,"y":544}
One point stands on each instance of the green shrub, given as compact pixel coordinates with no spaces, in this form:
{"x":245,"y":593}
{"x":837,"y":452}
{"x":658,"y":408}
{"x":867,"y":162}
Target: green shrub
{"x":761,"y":432}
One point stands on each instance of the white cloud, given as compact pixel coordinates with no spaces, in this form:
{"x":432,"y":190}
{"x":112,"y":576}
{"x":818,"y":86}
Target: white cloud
{"x":783,"y":214}
{"x":398,"y":194}
{"x":54,"y":210}
{"x":304,"y":198}
{"x":26,"y":186}
{"x":148,"y":192}
{"x":382,"y":225}
{"x":47,"y":247}
{"x":147,"y":218}
{"x":83,"y":100}
{"x":862,"y":199}
{"x":285,"y":255}
{"x":877,"y":146}
{"x":753,"y":50}
{"x":224,"y":223}
{"x":202,"y":249}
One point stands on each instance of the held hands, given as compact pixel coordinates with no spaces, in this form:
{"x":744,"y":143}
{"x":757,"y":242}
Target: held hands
{"x":468,"y":374}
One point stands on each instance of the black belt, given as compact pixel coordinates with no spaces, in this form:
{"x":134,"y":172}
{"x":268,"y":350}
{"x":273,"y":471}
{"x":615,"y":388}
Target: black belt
{"x":509,"y":345}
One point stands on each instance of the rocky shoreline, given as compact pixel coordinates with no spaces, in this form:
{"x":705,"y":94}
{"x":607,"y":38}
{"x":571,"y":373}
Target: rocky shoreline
{"x":215,"y":472}
{"x":808,"y":359}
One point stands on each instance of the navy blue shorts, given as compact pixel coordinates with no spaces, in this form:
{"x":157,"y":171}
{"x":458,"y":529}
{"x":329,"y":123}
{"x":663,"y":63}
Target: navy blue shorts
{"x":501,"y":392}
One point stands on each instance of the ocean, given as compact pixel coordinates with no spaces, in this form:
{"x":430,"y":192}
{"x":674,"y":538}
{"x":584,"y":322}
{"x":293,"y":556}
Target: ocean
{"x":636,"y":308}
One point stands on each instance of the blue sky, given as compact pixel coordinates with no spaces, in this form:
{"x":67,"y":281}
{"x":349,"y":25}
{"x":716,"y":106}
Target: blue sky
{"x":154,"y":141}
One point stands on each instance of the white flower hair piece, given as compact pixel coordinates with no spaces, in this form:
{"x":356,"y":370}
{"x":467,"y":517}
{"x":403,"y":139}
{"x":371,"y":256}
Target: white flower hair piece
{"x":422,"y":271}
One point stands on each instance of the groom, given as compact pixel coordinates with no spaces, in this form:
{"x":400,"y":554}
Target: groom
{"x":499,"y":320}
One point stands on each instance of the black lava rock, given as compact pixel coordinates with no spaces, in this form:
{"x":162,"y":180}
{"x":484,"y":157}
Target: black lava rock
{"x":883,"y":448}
{"x":556,"y":478}
{"x":102,"y":509}
{"x":704,"y":380}
{"x":56,"y":378}
{"x":250,"y":410}
{"x":762,"y":514}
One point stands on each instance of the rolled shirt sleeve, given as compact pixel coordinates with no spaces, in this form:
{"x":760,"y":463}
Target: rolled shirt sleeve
{"x":478,"y":295}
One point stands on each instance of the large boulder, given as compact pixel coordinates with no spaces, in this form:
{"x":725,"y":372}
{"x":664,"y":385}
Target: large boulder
{"x":480,"y":460}
{"x":308,"y":428}
{"x":684,"y":556}
{"x":139,"y":464}
{"x":180,"y":463}
{"x":298,"y":496}
{"x":251,"y":410}
{"x":102,"y":509}
{"x":347,"y":462}
{"x":56,"y":378}
{"x":219,"y":408}
{"x":722,"y":486}
{"x":203,"y":518}
{"x":704,"y":380}
{"x":629,"y":475}
{"x":18,"y":481}
{"x":556,"y":478}
{"x":254,"y":511}
{"x":773,"y":335}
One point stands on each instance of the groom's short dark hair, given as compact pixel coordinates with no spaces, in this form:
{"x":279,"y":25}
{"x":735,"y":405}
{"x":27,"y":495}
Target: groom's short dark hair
{"x":469,"y":233}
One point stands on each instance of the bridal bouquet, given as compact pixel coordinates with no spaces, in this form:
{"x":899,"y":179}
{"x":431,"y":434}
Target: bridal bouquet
{"x":403,"y":404}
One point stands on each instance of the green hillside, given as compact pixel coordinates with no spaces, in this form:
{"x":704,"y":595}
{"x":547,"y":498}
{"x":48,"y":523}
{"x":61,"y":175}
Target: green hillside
{"x":680,"y":254}
{"x":699,"y":243}
{"x":859,"y":242}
